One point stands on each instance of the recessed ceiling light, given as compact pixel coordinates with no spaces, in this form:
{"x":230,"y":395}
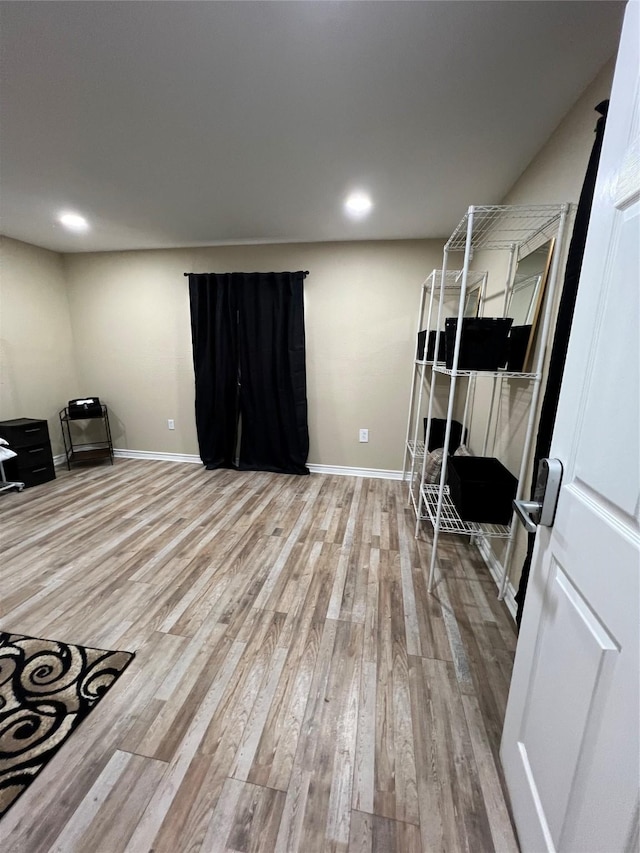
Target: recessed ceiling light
{"x":358,"y":205}
{"x":73,"y":221}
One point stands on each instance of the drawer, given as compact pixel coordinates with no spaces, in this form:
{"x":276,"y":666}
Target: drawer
{"x":30,"y":476}
{"x":24,"y":432}
{"x":33,"y":457}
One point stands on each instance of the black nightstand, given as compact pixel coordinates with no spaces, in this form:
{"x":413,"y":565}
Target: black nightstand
{"x":29,"y":438}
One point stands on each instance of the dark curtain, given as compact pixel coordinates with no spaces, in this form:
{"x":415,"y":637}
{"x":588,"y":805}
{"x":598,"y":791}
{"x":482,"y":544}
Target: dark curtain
{"x":249,"y":361}
{"x":563,"y":329}
{"x":214,"y":334}
{"x":273,"y":392}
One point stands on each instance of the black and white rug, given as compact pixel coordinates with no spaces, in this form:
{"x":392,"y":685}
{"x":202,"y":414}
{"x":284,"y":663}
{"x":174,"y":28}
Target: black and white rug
{"x":46,"y":690}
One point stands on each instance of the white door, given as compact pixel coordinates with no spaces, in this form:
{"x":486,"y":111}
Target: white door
{"x":570,"y":746}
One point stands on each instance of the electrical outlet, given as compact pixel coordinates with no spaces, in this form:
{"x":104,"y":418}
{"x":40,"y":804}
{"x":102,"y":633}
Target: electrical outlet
{"x":171,"y":423}
{"x":364,"y":435}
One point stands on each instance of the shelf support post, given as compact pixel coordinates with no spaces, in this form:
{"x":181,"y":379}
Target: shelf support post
{"x":413,"y":391}
{"x":416,"y":415}
{"x":443,"y":276}
{"x":508,"y":287}
{"x":511,"y":275}
{"x":485,"y":443}
{"x":483,"y":294}
{"x":470,"y":382}
{"x":452,"y":392}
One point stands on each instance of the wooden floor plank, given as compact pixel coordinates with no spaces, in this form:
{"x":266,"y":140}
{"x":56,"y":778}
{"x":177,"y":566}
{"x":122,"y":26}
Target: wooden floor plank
{"x":375,"y":834}
{"x":490,"y":778}
{"x":395,"y":793}
{"x":294,"y":688}
{"x":246,"y":819}
{"x":173,"y":802}
{"x":119,"y":811}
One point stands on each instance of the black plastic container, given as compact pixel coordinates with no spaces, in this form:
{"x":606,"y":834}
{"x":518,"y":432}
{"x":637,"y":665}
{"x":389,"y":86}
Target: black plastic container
{"x":481,"y":489}
{"x":518,"y":345}
{"x":483,"y":342}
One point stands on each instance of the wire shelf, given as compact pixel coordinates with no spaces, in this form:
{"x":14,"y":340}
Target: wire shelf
{"x":502,"y":374}
{"x":416,"y":452}
{"x":430,"y":363}
{"x":450,"y":521}
{"x":453,"y":279}
{"x":501,"y":226}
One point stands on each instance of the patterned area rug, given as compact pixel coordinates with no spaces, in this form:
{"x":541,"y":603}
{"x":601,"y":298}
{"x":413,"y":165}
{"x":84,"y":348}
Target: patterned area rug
{"x":46,"y":690}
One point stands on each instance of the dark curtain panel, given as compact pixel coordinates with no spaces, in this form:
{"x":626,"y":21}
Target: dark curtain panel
{"x":273,"y":385}
{"x":563,"y":329}
{"x":249,"y":360}
{"x":214,"y":333}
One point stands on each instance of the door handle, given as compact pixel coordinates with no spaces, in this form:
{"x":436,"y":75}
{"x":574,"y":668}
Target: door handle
{"x":525,"y":510}
{"x":542,"y":509}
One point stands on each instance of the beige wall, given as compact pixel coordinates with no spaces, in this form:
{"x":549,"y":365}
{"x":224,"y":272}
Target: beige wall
{"x":555,"y":175}
{"x":130,"y":314}
{"x":37,"y":369}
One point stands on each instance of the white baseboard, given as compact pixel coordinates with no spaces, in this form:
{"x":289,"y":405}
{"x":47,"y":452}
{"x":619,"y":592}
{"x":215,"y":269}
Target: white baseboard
{"x":342,"y":470}
{"x":495,"y":567}
{"x":158,"y":455}
{"x":61,"y":459}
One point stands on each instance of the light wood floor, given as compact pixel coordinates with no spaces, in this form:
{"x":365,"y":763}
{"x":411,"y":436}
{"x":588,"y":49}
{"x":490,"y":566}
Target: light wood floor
{"x":294,"y":688}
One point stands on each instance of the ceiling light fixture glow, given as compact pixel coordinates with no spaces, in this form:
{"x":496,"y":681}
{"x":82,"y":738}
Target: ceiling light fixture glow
{"x":73,"y":221}
{"x":358,"y":205}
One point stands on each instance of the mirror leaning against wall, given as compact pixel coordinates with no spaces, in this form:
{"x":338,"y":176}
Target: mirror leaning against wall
{"x":525,"y":302}
{"x":472,"y":301}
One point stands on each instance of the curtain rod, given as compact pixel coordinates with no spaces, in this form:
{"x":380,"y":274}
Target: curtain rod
{"x":305,"y":272}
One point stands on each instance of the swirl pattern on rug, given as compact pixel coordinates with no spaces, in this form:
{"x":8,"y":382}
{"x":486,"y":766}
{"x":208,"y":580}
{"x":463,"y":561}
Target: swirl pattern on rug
{"x":46,"y":690}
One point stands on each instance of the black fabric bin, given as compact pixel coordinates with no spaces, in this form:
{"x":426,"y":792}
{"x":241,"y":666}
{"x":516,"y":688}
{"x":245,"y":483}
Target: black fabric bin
{"x":517,"y":349}
{"x":436,"y":436}
{"x":483,"y":342}
{"x":422,"y":338}
{"x":431,"y":348}
{"x":481,"y":489}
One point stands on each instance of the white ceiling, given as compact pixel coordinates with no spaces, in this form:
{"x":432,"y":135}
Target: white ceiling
{"x":194,"y":123}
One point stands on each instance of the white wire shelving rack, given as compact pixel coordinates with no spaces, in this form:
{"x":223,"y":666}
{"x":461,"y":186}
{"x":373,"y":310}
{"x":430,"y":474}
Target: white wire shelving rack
{"x":517,"y":230}
{"x":422,"y":377}
{"x":450,"y":521}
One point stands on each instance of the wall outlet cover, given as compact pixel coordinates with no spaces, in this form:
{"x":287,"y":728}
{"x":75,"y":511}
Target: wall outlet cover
{"x":364,"y":435}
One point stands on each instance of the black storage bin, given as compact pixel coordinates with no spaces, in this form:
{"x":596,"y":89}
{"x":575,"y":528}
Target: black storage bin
{"x":422,"y":338}
{"x":481,"y":488}
{"x":436,"y":436}
{"x":431,"y":348}
{"x":85,"y":407}
{"x":483,"y":342}
{"x":518,"y":344}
